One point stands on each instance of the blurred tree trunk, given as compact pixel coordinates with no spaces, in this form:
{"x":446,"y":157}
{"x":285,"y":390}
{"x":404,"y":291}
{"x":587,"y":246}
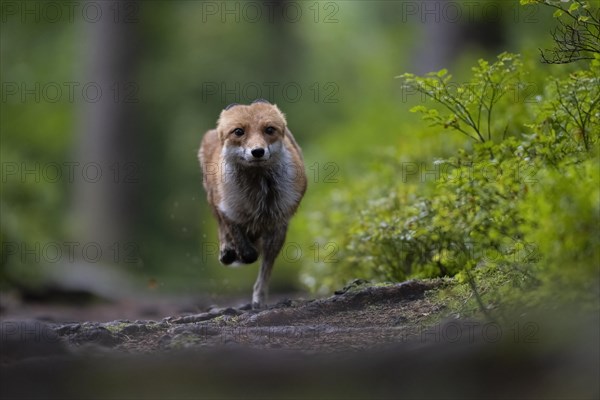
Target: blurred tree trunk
{"x":283,"y":43}
{"x":448,"y":32}
{"x":107,"y":135}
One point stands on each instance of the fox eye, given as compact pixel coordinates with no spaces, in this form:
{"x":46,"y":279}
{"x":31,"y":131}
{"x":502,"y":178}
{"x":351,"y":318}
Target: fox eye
{"x":269,"y":130}
{"x":238,"y":131}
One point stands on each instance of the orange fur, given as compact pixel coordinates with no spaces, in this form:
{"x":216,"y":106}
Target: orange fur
{"x":253,"y":173}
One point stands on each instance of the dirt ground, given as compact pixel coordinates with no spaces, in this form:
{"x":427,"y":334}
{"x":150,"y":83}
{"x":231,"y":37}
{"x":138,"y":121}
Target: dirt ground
{"x":366,"y":341}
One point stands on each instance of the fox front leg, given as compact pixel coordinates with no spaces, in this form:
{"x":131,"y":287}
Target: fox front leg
{"x":244,"y":249}
{"x":272,"y":242}
{"x":227,"y":255}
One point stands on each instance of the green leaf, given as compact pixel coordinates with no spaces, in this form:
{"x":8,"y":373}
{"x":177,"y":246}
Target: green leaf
{"x":442,"y":72}
{"x":420,"y":109}
{"x":583,"y":18}
{"x":558,"y":13}
{"x":573,"y":7}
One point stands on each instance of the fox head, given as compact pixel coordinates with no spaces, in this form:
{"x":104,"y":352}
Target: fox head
{"x":252,"y":134}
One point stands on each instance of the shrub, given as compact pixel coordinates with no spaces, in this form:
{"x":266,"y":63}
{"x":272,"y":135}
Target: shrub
{"x":520,"y":209}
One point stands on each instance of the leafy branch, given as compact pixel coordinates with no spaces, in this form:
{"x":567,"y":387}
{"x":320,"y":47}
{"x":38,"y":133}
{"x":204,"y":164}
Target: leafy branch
{"x":577,"y":103}
{"x":470,"y":105}
{"x":578,"y":35}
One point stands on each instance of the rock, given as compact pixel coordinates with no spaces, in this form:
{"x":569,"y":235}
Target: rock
{"x":353,"y":285}
{"x":165,"y":341}
{"x":193,"y":318}
{"x":134,"y":329}
{"x":230,"y":311}
{"x":67,"y":329}
{"x":97,"y":335}
{"x":284,"y":303}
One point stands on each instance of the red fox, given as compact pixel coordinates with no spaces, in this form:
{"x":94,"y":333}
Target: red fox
{"x":253,"y":173}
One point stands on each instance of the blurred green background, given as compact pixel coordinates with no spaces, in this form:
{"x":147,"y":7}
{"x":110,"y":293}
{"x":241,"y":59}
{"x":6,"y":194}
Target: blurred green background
{"x":117,"y":172}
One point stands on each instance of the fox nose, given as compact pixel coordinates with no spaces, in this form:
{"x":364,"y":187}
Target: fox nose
{"x":258,"y":152}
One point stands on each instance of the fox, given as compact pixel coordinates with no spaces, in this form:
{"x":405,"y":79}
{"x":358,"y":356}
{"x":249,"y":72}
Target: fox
{"x":254,"y":177}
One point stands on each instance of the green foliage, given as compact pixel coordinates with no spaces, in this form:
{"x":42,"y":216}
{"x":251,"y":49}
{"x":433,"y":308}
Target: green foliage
{"x":34,"y":136}
{"x":470,"y":105}
{"x":465,"y":218}
{"x":575,"y":106}
{"x":562,"y":215}
{"x":293,"y":64}
{"x":375,"y":217}
{"x":514,"y":217}
{"x":578,"y":35}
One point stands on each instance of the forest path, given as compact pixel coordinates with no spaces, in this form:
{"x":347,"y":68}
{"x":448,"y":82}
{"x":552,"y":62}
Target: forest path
{"x":366,"y":341}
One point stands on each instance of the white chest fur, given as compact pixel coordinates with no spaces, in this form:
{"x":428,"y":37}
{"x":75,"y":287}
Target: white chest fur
{"x":259,"y":195}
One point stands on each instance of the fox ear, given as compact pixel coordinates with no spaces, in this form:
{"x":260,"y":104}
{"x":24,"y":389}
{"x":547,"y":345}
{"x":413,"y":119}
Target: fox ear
{"x":261,"y":101}
{"x":231,"y":105}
